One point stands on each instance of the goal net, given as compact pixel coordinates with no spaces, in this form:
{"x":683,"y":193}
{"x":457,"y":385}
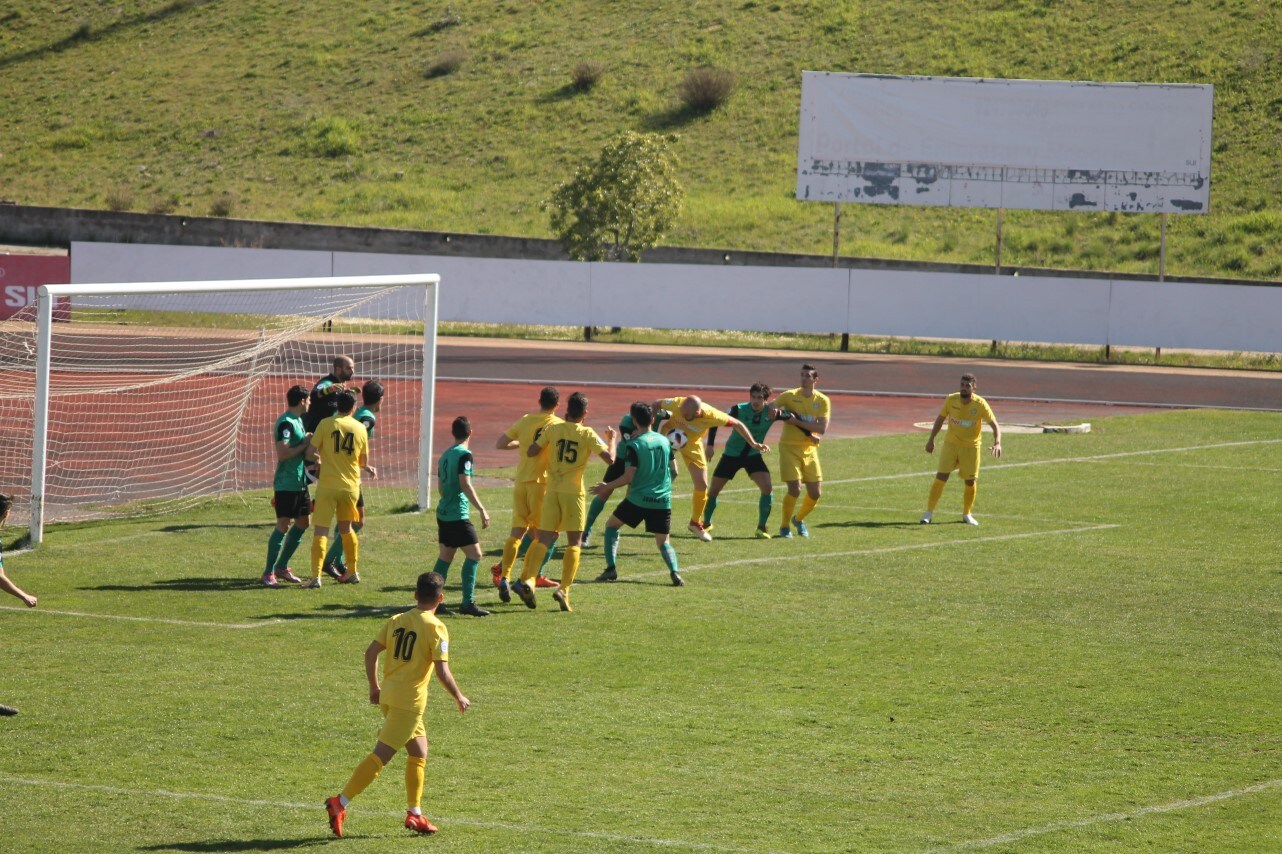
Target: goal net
{"x":140,"y":399}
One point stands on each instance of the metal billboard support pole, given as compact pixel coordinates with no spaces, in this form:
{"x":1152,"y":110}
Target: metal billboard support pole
{"x":997,"y":261}
{"x":836,"y":247}
{"x":1161,"y":269}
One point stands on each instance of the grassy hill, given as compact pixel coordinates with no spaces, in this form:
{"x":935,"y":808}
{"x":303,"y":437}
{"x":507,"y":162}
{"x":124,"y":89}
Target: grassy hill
{"x":331,"y":112}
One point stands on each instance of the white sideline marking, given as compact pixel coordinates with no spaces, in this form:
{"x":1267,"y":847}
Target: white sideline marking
{"x":886,"y":550}
{"x":318,"y":808}
{"x":255,"y":625}
{"x":991,"y":467}
{"x":1015,"y":836}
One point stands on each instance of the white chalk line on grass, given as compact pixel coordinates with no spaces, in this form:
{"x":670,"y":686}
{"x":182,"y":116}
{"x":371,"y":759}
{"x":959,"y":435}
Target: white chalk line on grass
{"x":318,"y":808}
{"x":912,"y":517}
{"x":199,"y":623}
{"x":1055,"y":827}
{"x":995,"y":467}
{"x":951,"y":543}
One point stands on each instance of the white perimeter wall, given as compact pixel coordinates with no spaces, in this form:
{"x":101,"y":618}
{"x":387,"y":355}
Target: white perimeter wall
{"x":768,"y":299}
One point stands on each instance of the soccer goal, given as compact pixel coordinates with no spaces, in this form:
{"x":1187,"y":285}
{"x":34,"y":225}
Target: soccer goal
{"x":145,"y":398}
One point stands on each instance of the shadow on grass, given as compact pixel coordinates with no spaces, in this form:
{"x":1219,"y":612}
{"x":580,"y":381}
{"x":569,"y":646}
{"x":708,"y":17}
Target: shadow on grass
{"x":185,"y":585}
{"x":671,"y":119}
{"x":337,"y":611}
{"x":867,"y":524}
{"x":564,"y":93}
{"x":237,"y":845}
{"x":178,"y":529}
{"x":85,"y":33}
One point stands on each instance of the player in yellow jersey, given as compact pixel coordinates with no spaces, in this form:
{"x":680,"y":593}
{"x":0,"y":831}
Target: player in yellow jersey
{"x":694,"y":418}
{"x":570,"y":445}
{"x":527,"y":494}
{"x":805,"y":412}
{"x":341,"y":445}
{"x":966,"y":413}
{"x":417,"y":645}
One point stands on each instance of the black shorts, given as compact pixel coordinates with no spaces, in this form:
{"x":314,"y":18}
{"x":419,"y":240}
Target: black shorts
{"x":456,"y":535}
{"x":291,"y":505}
{"x":615,"y":471}
{"x":728,"y":467}
{"x":657,"y":520}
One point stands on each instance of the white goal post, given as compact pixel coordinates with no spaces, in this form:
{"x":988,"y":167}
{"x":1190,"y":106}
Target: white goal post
{"x":147,"y":397}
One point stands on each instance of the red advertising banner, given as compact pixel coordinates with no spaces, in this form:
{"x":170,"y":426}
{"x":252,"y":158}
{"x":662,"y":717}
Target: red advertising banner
{"x":20,"y":275}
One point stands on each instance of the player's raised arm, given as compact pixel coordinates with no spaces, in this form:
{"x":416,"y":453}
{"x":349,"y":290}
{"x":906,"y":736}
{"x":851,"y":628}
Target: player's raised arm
{"x":742,"y":429}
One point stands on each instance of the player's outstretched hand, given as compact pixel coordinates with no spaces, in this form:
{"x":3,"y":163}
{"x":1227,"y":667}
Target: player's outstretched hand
{"x":463,"y":703}
{"x":764,"y":448}
{"x":597,"y":488}
{"x":930,"y":446}
{"x":997,"y":450}
{"x":372,"y":472}
{"x":374,"y":694}
{"x":485,"y":518}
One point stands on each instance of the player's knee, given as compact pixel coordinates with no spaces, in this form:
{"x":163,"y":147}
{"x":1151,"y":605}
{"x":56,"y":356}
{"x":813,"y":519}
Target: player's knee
{"x":302,"y":523}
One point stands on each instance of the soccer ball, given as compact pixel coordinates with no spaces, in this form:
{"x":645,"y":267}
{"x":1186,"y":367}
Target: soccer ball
{"x":678,"y":439}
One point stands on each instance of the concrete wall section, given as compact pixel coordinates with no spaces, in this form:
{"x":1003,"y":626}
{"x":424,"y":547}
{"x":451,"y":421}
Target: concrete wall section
{"x":491,"y":290}
{"x":685,"y":296}
{"x":1179,"y":315}
{"x":918,"y":303}
{"x":97,"y":263}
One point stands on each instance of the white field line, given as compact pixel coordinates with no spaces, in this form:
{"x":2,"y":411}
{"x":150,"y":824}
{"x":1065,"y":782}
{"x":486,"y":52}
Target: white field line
{"x":913,"y":514}
{"x":992,"y":467}
{"x":1055,"y":827}
{"x":38,"y":611}
{"x":318,"y":809}
{"x":911,"y":395}
{"x":951,"y":543}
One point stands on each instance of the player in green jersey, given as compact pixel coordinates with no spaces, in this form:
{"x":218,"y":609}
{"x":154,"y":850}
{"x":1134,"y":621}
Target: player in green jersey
{"x":627,"y":429}
{"x":453,"y":513}
{"x":649,"y":466}
{"x":292,"y":502}
{"x":367,"y":413}
{"x":417,"y":646}
{"x":757,"y":415}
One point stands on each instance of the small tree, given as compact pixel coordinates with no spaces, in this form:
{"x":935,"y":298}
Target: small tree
{"x":621,"y":204}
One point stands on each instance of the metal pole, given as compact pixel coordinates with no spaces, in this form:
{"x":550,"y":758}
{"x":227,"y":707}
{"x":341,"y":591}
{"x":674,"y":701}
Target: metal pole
{"x":428,"y":409}
{"x":836,"y":246}
{"x":997,"y":265}
{"x":40,"y":441}
{"x":1161,"y":269}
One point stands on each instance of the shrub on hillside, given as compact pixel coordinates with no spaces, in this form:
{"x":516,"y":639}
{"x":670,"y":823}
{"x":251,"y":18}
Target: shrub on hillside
{"x":586,"y":75}
{"x":705,"y":89}
{"x":119,"y":199}
{"x":223,"y":205}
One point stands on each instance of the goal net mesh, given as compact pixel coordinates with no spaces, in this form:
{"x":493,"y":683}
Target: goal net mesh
{"x":157,"y":401}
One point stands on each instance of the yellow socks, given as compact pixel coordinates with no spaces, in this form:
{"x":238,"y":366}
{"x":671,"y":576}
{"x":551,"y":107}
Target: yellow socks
{"x":968,"y":497}
{"x":414,"y":766}
{"x":807,"y":504}
{"x":351,"y":549}
{"x":936,"y":491}
{"x":569,"y":566}
{"x":533,"y":560}
{"x":510,"y":547}
{"x":320,"y":545}
{"x":700,"y":501}
{"x":789,"y":504}
{"x":366,"y":772}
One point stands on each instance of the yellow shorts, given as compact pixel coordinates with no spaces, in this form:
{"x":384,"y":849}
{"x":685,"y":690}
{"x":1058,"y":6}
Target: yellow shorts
{"x":399,"y":726}
{"x":964,"y":460}
{"x":564,"y":511}
{"x":797,"y":462}
{"x":527,"y":504}
{"x":694,"y":456}
{"x":331,"y":502}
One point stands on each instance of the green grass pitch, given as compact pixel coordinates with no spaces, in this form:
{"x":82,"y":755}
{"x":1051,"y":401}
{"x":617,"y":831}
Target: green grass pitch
{"x":1096,"y":667}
